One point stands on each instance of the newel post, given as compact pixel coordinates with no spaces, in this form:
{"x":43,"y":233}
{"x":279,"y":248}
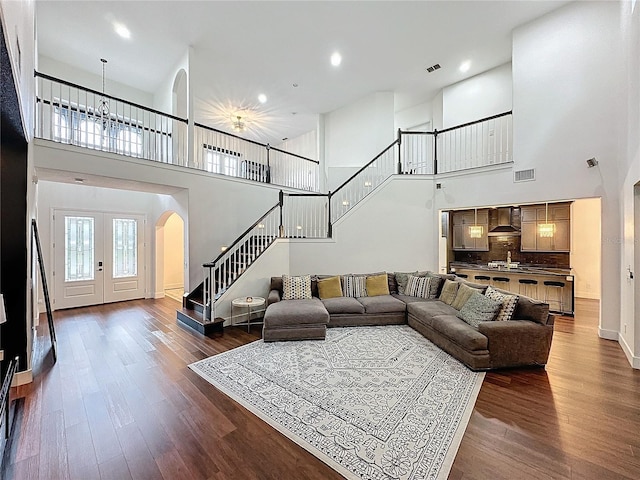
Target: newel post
{"x":399,"y":151}
{"x":330,"y":226}
{"x":281,"y":203}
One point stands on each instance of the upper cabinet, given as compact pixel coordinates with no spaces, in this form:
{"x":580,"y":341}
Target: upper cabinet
{"x":461,"y":221}
{"x":534,"y":215}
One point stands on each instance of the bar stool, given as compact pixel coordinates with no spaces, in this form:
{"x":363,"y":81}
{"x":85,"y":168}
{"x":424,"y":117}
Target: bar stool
{"x":558,"y":287}
{"x":502,"y":282}
{"x":528,"y":287}
{"x":482,"y":279}
{"x":462,"y":275}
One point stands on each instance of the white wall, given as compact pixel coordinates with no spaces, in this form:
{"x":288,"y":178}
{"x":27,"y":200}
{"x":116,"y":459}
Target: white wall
{"x":215,"y":209}
{"x":477,"y":97}
{"x":163,"y":96}
{"x":413,"y":116}
{"x":630,"y":238}
{"x":585,"y":247}
{"x":355,"y":134}
{"x":392,"y":229}
{"x":173,"y":264}
{"x":305,"y":145}
{"x":92,"y":79}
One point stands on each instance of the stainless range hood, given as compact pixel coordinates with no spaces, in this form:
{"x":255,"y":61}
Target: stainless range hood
{"x":505,"y":226}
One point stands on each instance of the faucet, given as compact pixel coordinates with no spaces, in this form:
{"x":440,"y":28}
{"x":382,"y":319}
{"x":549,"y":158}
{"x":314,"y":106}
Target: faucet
{"x":508,"y":258}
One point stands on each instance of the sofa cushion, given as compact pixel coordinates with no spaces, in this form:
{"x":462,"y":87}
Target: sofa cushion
{"x":507,"y":303}
{"x":530,"y":309}
{"x":425,"y":311}
{"x":464,"y":293}
{"x":329,"y":287}
{"x":377,"y":285}
{"x":296,"y":312}
{"x":340,"y":305}
{"x":296,"y":288}
{"x":418,"y":286}
{"x":382,"y":304}
{"x":460,"y":332}
{"x":479,"y":308}
{"x":354,"y":286}
{"x":449,"y":291}
{"x":409,"y":299}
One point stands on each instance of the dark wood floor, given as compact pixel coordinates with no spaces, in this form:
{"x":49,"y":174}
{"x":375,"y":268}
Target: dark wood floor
{"x":121,"y":403}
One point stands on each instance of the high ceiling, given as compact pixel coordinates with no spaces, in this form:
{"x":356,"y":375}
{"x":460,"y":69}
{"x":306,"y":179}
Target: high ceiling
{"x":241,"y":49}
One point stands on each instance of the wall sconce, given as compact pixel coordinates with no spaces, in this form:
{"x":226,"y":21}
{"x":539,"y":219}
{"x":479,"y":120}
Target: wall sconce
{"x":367,"y":184}
{"x":546,"y":229}
{"x":345,"y":203}
{"x":299,"y":227}
{"x":475,"y":230}
{"x":223,"y":248}
{"x":261,"y":225}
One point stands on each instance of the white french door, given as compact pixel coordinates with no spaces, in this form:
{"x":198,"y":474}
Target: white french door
{"x":98,"y":258}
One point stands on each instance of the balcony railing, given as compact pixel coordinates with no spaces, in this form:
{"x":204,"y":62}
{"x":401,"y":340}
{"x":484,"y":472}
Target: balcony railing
{"x":227,"y":154}
{"x":69,"y":113}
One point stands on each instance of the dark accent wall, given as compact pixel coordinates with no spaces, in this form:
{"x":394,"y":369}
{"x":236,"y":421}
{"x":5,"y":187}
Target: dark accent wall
{"x":13,"y":215}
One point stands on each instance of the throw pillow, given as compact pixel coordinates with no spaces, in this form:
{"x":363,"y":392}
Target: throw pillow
{"x":508,"y":303}
{"x":401,"y":279}
{"x":329,"y":287}
{"x":296,"y":288}
{"x":354,"y":286}
{"x":418,"y":286}
{"x":464,"y":292}
{"x":377,"y":285}
{"x":436,"y":281}
{"x":479,"y":308}
{"x":449,"y":291}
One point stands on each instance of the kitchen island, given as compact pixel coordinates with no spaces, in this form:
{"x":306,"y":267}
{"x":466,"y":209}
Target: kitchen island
{"x":526,"y":280}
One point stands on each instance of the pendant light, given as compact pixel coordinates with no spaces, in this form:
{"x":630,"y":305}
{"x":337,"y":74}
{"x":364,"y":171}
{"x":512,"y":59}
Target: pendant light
{"x":475,"y":230}
{"x":103,"y":107}
{"x":546,"y":229}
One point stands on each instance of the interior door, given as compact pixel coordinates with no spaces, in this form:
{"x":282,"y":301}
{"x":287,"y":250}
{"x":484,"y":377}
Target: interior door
{"x":98,"y":258}
{"x":78,"y":257}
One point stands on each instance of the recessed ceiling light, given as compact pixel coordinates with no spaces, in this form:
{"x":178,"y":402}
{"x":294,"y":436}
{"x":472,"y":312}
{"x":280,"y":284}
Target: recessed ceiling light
{"x":336,"y":59}
{"x":465,"y":66}
{"x":121,"y":30}
{"x":262,"y":98}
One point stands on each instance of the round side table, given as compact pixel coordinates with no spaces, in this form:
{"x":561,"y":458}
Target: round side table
{"x":250,"y":304}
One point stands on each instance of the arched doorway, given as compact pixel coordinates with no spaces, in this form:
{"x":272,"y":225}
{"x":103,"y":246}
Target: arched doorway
{"x":179,"y":95}
{"x":170,"y":256}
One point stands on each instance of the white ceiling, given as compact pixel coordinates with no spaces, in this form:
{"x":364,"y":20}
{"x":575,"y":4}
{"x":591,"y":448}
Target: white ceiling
{"x":243,"y":48}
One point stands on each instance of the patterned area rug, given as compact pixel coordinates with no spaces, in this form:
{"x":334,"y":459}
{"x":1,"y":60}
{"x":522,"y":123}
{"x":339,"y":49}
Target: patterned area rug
{"x":371,"y":402}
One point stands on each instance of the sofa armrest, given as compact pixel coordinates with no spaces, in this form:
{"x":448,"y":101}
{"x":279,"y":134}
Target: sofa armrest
{"x":274,"y":297}
{"x":517,"y":342}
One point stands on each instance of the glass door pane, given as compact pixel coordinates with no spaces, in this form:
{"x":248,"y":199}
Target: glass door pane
{"x":125,"y":247}
{"x":79,"y":248}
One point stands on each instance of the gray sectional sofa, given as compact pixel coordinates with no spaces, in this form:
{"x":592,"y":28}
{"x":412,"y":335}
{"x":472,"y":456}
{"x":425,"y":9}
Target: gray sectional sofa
{"x":524,"y":340}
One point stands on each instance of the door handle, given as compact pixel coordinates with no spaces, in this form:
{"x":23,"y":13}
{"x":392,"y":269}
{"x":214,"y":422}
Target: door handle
{"x":99,"y":266}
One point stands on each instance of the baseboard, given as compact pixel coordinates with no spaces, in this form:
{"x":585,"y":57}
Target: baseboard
{"x":158,"y":295}
{"x":633,"y":360}
{"x":608,"y":334}
{"x":22,"y":378}
{"x":172,"y":286}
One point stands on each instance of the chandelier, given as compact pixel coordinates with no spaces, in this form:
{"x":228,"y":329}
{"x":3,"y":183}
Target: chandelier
{"x":238,"y":124}
{"x":546,"y":229}
{"x":475,"y":230}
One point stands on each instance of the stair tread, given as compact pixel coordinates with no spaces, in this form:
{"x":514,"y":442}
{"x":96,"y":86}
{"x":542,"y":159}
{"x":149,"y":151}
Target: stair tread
{"x":199,"y":317}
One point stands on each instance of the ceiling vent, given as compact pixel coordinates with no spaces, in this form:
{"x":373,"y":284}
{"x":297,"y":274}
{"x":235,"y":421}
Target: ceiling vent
{"x":524,"y":175}
{"x":433,"y":68}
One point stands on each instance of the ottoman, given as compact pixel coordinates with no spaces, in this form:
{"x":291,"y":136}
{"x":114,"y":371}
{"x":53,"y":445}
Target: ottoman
{"x":295,"y":320}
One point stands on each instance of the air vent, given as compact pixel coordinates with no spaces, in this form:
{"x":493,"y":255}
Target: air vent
{"x":524,"y":175}
{"x":433,"y":68}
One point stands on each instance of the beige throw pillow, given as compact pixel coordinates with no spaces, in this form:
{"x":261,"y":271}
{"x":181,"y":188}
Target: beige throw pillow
{"x":449,"y":291}
{"x":464,"y":293}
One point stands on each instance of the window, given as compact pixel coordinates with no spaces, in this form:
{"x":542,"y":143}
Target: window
{"x":218,"y":160}
{"x":125,"y":247}
{"x":81,"y":126}
{"x":78,"y":248}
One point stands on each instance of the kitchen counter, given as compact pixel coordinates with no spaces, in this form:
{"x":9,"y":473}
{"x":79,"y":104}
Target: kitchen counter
{"x":559,"y":300}
{"x":561,"y":272}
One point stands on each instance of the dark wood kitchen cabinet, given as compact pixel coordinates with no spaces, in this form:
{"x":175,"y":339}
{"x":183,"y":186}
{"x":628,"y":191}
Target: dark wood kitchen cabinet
{"x":534,"y":215}
{"x":461,"y":221}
